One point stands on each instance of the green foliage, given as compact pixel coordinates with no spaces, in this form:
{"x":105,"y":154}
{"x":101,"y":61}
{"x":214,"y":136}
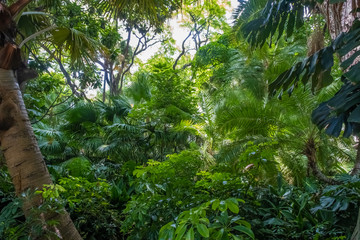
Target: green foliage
{"x":144,"y":164}
{"x":277,"y":16}
{"x":172,"y":93}
{"x":342,"y":109}
{"x":210,"y":219}
{"x":89,"y":204}
{"x":162,"y":189}
{"x":78,"y":167}
{"x":11,"y":226}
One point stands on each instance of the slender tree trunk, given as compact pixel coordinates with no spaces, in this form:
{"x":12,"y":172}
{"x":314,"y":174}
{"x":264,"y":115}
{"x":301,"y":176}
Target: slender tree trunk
{"x":310,"y":152}
{"x":23,"y":157}
{"x":105,"y":82}
{"x":356,"y":168}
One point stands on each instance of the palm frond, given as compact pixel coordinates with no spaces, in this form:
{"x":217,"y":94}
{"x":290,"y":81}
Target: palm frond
{"x":78,"y":166}
{"x":118,"y":108}
{"x":246,"y":115}
{"x":80,"y":47}
{"x":139,"y":90}
{"x":153,"y":11}
{"x":277,"y":16}
{"x":247,"y":9}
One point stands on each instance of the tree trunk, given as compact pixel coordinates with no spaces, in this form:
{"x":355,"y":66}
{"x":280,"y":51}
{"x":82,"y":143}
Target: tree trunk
{"x":356,"y":169}
{"x":25,"y":163}
{"x":339,"y":16}
{"x":310,"y":152}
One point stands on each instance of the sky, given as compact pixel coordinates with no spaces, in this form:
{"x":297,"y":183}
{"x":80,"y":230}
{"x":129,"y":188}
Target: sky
{"x":178,"y":33}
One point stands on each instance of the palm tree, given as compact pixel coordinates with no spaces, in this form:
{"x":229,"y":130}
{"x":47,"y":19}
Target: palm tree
{"x":23,"y":157}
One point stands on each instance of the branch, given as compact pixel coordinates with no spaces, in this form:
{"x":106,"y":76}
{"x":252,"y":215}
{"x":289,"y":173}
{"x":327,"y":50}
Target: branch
{"x":52,"y":106}
{"x":36,"y":34}
{"x":128,"y":68}
{"x":310,"y":152}
{"x":183,"y":50}
{"x":186,"y":66}
{"x":123,"y":62}
{"x":65,"y":73}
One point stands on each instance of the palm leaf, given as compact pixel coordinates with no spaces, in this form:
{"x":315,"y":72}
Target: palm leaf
{"x":78,"y":166}
{"x":77,"y":44}
{"x":154,"y":11}
{"x":277,"y":16}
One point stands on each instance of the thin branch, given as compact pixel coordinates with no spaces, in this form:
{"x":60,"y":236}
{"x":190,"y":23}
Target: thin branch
{"x":36,"y":34}
{"x":52,"y":106}
{"x":105,"y":81}
{"x":126,"y":52}
{"x":65,"y":73}
{"x":183,"y":50}
{"x":186,"y":66}
{"x":127,"y":69}
{"x":34,"y":55}
{"x":100,"y":63}
{"x":136,"y":52}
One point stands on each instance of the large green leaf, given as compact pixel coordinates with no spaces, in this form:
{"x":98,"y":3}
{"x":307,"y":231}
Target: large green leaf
{"x":203,"y":230}
{"x":232,"y":204}
{"x":190,"y":235}
{"x":341,"y":112}
{"x":245,"y":230}
{"x":280,"y":16}
{"x":80,"y":46}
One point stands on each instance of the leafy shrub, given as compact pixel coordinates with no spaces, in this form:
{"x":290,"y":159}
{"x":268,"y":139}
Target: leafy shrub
{"x":163,"y":190}
{"x":210,"y":223}
{"x":89,"y":205}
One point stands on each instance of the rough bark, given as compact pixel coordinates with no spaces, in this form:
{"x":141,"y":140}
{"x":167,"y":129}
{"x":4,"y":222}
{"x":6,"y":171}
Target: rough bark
{"x":23,"y":157}
{"x":339,"y":16}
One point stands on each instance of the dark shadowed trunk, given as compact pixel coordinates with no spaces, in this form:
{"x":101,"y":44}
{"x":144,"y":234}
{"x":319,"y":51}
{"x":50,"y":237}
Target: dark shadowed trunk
{"x":310,"y":152}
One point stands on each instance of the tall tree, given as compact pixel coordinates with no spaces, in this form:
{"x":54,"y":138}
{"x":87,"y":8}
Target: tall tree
{"x":23,"y":157}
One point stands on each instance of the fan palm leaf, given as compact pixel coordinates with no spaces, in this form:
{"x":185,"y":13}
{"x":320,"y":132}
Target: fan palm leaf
{"x":153,"y":11}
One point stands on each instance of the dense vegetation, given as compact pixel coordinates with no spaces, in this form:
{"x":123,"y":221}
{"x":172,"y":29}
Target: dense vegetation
{"x":191,"y":143}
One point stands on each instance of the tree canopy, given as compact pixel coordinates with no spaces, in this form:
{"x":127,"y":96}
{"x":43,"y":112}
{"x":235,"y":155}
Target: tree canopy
{"x":245,"y":128}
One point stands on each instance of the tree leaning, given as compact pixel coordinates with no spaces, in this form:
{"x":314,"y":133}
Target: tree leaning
{"x":18,"y":143}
